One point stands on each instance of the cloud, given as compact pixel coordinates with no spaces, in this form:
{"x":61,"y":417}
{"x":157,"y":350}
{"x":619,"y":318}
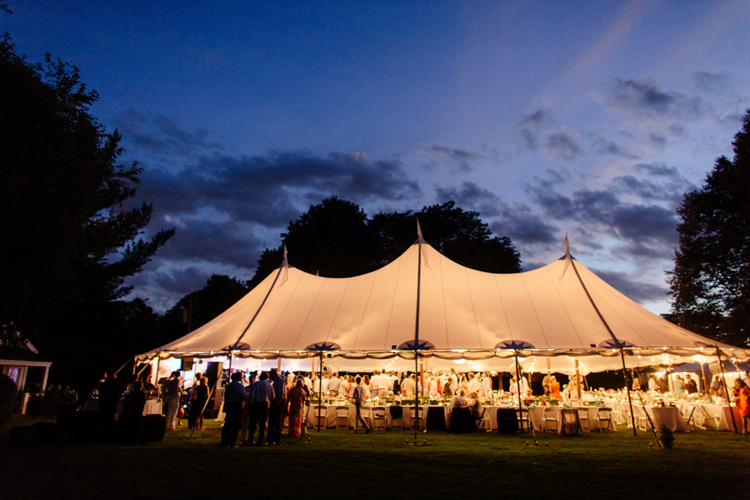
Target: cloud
{"x":441,"y":153}
{"x":646,"y":99}
{"x":637,"y":209}
{"x":565,"y":145}
{"x":637,"y":291}
{"x":605,"y":146}
{"x":712,"y":82}
{"x":519,"y":223}
{"x":472,"y":197}
{"x":229,"y":242}
{"x":513,"y":219}
{"x":536,"y":119}
{"x":161,"y":134}
{"x":268,"y":190}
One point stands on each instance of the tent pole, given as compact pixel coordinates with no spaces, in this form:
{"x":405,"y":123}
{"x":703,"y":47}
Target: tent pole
{"x":416,"y":335}
{"x":549,"y":377}
{"x":724,"y":381}
{"x":518,"y":383}
{"x":617,"y":342}
{"x":578,"y":382}
{"x":627,"y":388}
{"x":705,"y":382}
{"x":416,"y":396}
{"x":156,"y":375}
{"x":320,"y":389}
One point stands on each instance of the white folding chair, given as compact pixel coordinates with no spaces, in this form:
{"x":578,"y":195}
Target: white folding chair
{"x":342,"y":417}
{"x":604,"y":416}
{"x":378,"y":418}
{"x":583,"y":418}
{"x":549,"y":419}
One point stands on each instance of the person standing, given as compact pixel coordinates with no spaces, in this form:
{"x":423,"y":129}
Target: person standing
{"x":359,"y":397}
{"x":261,"y":394}
{"x":276,"y":411}
{"x":296,"y":398}
{"x":109,"y":396}
{"x":172,"y":390}
{"x":133,"y":409}
{"x":334,"y":385}
{"x":234,"y":395}
{"x":200,"y":396}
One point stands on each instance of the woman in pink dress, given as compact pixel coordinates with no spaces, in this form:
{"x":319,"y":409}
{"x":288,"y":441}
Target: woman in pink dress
{"x":296,"y":399}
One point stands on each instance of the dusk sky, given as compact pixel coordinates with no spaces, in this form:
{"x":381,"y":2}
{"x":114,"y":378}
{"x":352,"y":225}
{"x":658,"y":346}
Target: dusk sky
{"x":586,"y":118}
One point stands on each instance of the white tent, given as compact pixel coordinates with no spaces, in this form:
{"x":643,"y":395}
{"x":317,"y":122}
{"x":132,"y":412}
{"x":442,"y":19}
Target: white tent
{"x":453,"y":313}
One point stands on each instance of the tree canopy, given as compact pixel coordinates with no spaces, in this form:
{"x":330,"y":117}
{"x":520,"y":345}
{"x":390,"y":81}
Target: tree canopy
{"x":710,"y":281}
{"x":69,"y":233}
{"x":336,"y":239}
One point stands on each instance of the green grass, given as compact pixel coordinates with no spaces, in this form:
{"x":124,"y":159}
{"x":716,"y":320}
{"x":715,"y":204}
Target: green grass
{"x":337,"y":464}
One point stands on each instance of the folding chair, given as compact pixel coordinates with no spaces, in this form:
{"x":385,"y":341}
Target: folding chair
{"x":342,"y":417}
{"x":480,"y":422}
{"x":604,"y":415}
{"x":397,"y":416}
{"x":378,"y":418}
{"x":583,"y":418}
{"x":550,"y":417}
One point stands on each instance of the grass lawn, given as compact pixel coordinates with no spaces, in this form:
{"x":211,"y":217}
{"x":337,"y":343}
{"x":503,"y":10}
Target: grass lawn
{"x":337,"y":464}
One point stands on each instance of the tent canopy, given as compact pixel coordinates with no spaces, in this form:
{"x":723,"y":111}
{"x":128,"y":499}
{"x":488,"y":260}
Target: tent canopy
{"x":425,"y":302}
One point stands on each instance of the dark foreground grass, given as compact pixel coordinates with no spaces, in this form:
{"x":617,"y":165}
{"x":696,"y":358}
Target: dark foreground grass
{"x":336,"y":464}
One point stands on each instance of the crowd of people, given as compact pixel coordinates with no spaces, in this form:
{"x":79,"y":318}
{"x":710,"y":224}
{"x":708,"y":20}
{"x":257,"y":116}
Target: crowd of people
{"x":256,"y":402}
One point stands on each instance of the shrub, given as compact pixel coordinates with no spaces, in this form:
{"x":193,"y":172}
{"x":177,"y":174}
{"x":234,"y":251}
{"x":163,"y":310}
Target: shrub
{"x":8,"y":399}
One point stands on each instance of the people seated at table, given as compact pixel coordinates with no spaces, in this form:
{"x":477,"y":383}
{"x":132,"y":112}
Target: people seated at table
{"x":653,"y":384}
{"x":476,"y":405}
{"x":459,"y":401}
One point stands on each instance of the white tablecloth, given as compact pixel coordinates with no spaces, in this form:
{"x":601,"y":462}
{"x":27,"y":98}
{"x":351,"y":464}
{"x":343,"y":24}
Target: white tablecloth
{"x":665,"y":415}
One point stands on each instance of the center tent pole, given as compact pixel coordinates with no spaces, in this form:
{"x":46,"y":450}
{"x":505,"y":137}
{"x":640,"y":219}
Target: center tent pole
{"x":416,"y":334}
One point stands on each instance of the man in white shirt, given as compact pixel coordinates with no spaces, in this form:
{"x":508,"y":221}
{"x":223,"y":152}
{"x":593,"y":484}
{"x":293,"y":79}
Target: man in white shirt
{"x":381,"y":385}
{"x":334,"y":385}
{"x":474,"y":384}
{"x":359,"y":397}
{"x":453,"y":380}
{"x":410,"y":385}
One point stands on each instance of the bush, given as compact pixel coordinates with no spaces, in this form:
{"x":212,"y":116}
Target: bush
{"x":49,"y":402}
{"x":8,"y":399}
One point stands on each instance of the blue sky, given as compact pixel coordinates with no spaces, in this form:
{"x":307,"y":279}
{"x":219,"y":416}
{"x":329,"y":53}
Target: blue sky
{"x":585,"y":118}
